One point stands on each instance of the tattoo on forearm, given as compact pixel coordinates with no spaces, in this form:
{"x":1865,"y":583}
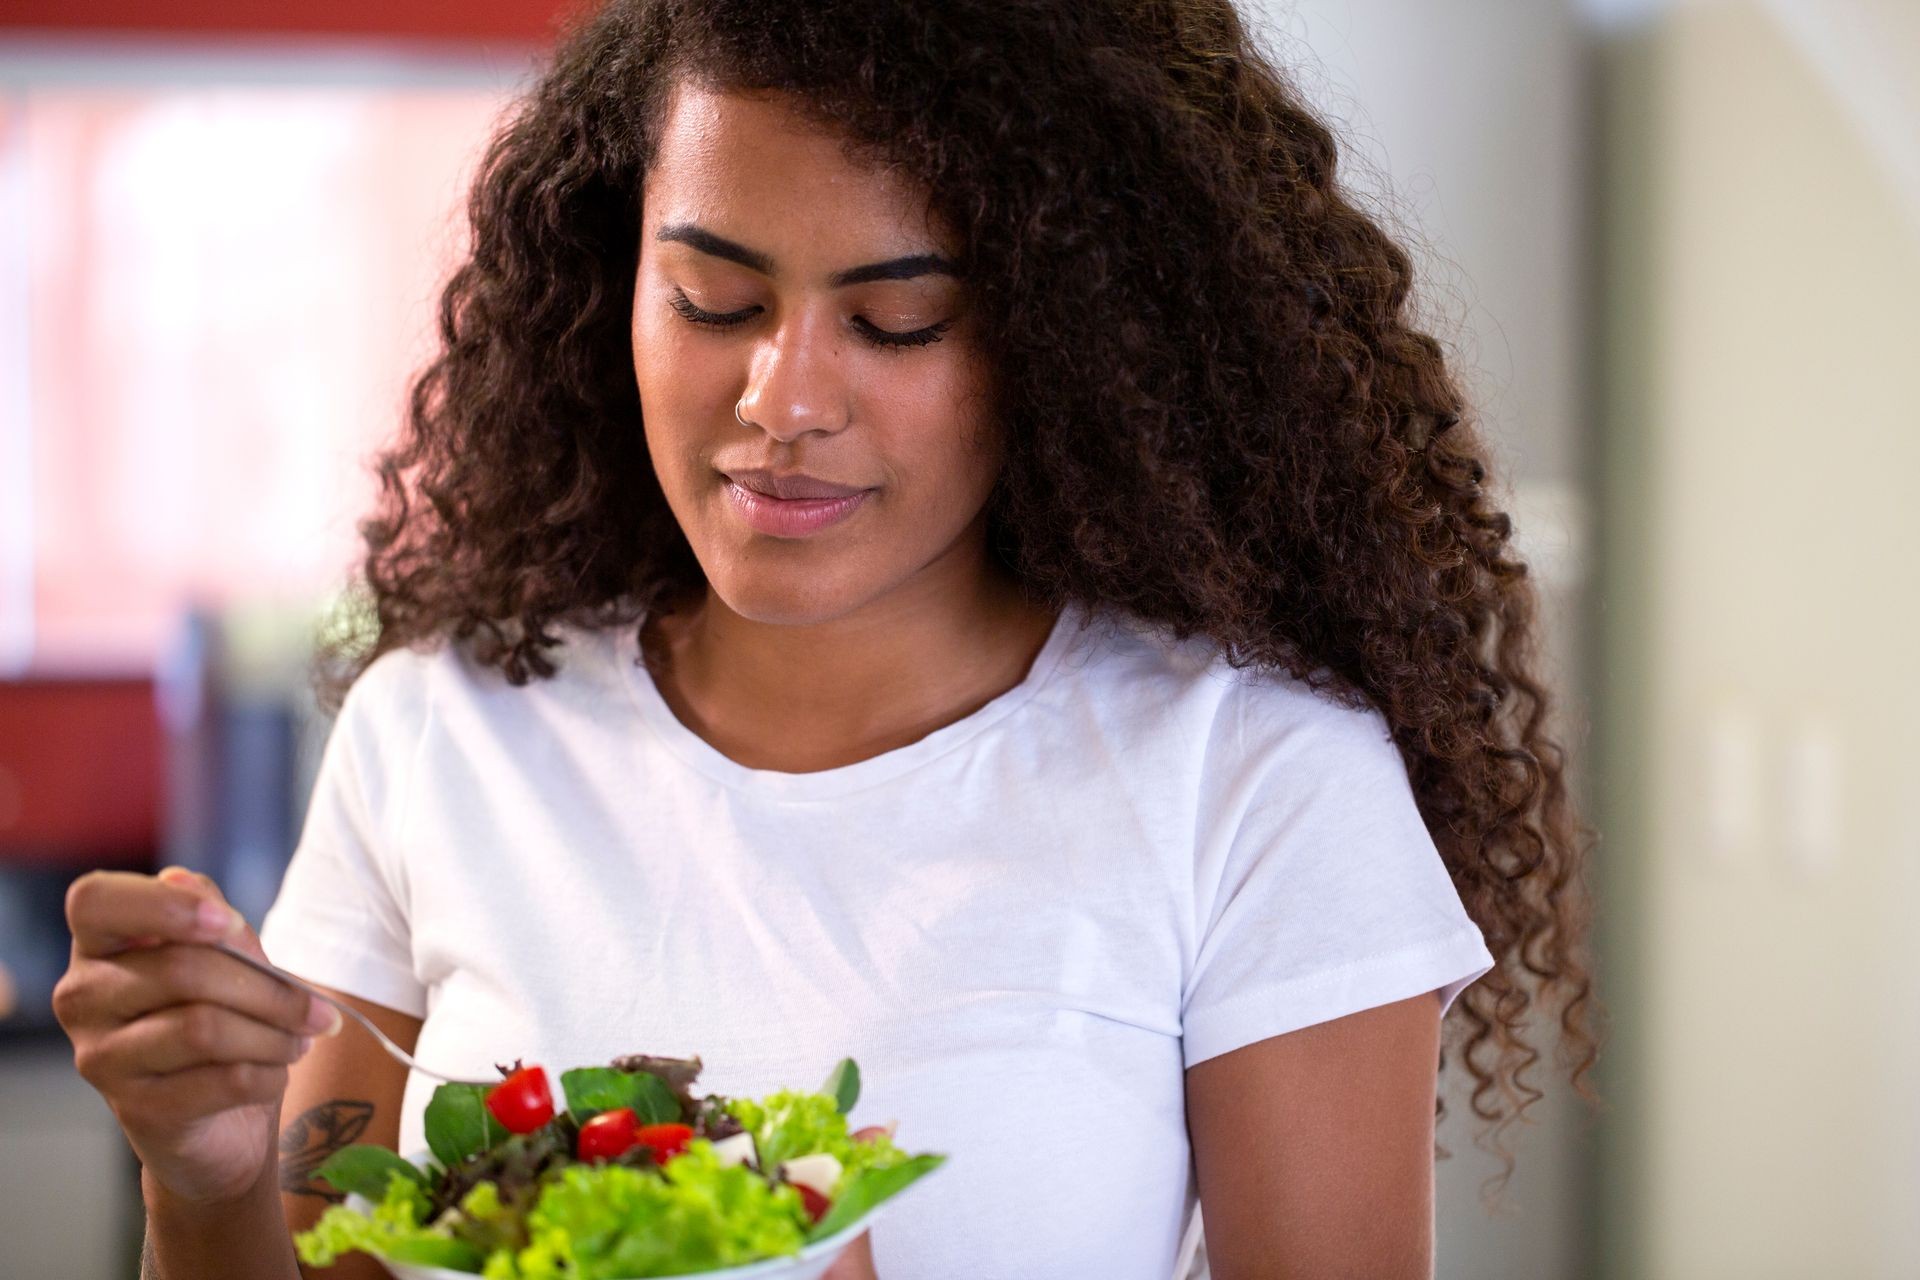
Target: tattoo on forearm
{"x":308,"y":1141}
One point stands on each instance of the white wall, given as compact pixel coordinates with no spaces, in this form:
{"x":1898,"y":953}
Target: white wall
{"x":1762,"y":707}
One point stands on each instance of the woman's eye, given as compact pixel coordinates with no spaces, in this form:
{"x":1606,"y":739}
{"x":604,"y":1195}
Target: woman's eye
{"x":679,"y":303}
{"x":885,"y":338}
{"x":888,"y":338}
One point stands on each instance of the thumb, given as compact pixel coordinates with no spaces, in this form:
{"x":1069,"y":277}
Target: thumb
{"x":855,"y":1262}
{"x":204,"y":887}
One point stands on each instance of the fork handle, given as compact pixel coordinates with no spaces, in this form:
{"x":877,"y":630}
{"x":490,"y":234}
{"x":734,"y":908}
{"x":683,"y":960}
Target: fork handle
{"x":395,"y":1051}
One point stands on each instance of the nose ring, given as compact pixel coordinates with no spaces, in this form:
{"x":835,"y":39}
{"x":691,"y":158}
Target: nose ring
{"x":736,"y":415}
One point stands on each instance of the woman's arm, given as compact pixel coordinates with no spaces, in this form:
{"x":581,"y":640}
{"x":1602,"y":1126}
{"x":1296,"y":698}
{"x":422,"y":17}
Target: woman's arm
{"x":345,"y":1090}
{"x":1314,"y":1149}
{"x":191,"y":1049}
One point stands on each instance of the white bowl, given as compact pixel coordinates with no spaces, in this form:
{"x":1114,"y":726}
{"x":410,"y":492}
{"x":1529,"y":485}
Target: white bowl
{"x":809,"y":1264}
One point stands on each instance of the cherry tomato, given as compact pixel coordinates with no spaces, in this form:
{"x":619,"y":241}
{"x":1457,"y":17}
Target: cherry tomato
{"x":815,"y":1203}
{"x":522,"y":1102}
{"x":607,"y":1134}
{"x":665,"y":1139}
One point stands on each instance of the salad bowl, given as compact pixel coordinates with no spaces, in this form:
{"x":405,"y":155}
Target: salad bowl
{"x":629,"y":1176}
{"x":810,"y":1263}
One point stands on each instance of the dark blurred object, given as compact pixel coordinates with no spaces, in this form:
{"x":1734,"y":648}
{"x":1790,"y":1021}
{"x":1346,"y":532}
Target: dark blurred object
{"x":34,"y":942}
{"x":188,"y":765}
{"x":234,"y":795}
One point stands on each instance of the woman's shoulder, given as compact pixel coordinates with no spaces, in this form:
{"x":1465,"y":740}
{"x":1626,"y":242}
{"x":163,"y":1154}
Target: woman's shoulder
{"x":1139,"y":654}
{"x":1249,"y":710}
{"x":1126,"y":652}
{"x":402,"y":684}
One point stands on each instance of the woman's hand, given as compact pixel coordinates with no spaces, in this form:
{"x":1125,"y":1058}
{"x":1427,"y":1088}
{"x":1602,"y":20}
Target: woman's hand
{"x":189,"y":1047}
{"x":855,"y":1261}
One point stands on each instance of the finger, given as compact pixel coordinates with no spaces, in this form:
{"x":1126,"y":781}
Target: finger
{"x":201,"y":886}
{"x":139,"y":983}
{"x":7,"y":996}
{"x":855,"y":1262}
{"x":110,"y":911}
{"x":187,"y":1036}
{"x":185,"y":1096}
{"x":209,"y":889}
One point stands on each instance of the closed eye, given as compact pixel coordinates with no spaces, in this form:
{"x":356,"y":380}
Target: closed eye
{"x":885,"y":338}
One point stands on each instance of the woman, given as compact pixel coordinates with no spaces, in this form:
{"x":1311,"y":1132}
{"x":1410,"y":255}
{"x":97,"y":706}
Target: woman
{"x":929,"y":538}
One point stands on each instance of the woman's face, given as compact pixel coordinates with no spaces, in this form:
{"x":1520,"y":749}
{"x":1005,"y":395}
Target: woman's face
{"x":846,"y":347}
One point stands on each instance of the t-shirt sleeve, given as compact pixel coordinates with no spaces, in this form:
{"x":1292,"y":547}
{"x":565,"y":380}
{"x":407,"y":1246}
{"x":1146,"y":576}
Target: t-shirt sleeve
{"x":340,"y":918}
{"x":1318,"y":891}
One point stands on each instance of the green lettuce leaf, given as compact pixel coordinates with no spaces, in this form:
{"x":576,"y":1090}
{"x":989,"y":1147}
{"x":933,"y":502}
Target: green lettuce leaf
{"x":591,"y":1090}
{"x":866,"y":1188}
{"x":459,"y":1124}
{"x":791,"y":1123}
{"x":364,"y":1169}
{"x":605,"y":1222}
{"x":393,"y":1230}
{"x":516,"y":1166}
{"x":843,"y":1084}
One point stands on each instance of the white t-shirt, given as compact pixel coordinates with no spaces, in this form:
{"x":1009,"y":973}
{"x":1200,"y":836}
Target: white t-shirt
{"x":1023,"y":926}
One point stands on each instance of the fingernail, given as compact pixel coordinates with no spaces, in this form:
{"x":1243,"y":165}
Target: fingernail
{"x":217,"y":920}
{"x":323,"y":1018}
{"x":306,"y":1043}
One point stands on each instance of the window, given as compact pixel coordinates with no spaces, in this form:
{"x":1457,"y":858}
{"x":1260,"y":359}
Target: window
{"x":217,"y":275}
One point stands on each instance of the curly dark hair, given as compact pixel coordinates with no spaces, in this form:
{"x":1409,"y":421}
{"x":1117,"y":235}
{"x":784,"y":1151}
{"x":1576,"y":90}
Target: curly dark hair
{"x":1218,"y":413}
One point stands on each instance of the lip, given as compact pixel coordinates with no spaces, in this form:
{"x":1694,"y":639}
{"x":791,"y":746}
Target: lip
{"x":791,"y":517}
{"x":791,"y":484}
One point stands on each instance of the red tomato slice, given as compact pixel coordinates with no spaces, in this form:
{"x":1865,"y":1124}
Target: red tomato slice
{"x":522,"y":1102}
{"x":665,"y":1139}
{"x":816,"y":1203}
{"x":607,"y":1134}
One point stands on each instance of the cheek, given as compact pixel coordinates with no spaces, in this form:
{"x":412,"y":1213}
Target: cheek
{"x":943,"y":439}
{"x":664,"y":364}
{"x":682,"y":393}
{"x":959,"y":471}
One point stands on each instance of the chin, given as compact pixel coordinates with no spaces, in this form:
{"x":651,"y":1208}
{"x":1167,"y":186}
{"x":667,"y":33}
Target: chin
{"x":782,"y":595}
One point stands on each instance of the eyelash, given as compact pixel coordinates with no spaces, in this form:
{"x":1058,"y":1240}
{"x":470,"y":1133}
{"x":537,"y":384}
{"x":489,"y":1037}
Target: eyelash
{"x":878,"y":337}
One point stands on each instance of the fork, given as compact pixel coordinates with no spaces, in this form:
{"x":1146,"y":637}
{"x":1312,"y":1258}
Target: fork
{"x":399,"y":1054}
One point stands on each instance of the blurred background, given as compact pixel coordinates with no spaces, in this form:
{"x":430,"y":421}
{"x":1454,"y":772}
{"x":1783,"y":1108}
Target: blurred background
{"x":1673,"y":246}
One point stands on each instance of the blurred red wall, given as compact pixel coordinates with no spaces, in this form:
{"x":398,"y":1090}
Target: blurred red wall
{"x":521,"y":20}
{"x":80,"y":772}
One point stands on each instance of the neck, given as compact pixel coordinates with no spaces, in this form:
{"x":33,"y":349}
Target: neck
{"x":811,"y":695}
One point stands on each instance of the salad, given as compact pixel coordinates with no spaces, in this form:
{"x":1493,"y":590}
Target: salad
{"x":628,"y":1175}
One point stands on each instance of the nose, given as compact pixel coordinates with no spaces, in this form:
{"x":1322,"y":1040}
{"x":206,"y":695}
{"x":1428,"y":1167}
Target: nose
{"x":798,"y":382}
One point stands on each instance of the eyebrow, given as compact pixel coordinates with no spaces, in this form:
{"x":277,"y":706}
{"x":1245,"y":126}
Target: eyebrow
{"x":908,"y":268}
